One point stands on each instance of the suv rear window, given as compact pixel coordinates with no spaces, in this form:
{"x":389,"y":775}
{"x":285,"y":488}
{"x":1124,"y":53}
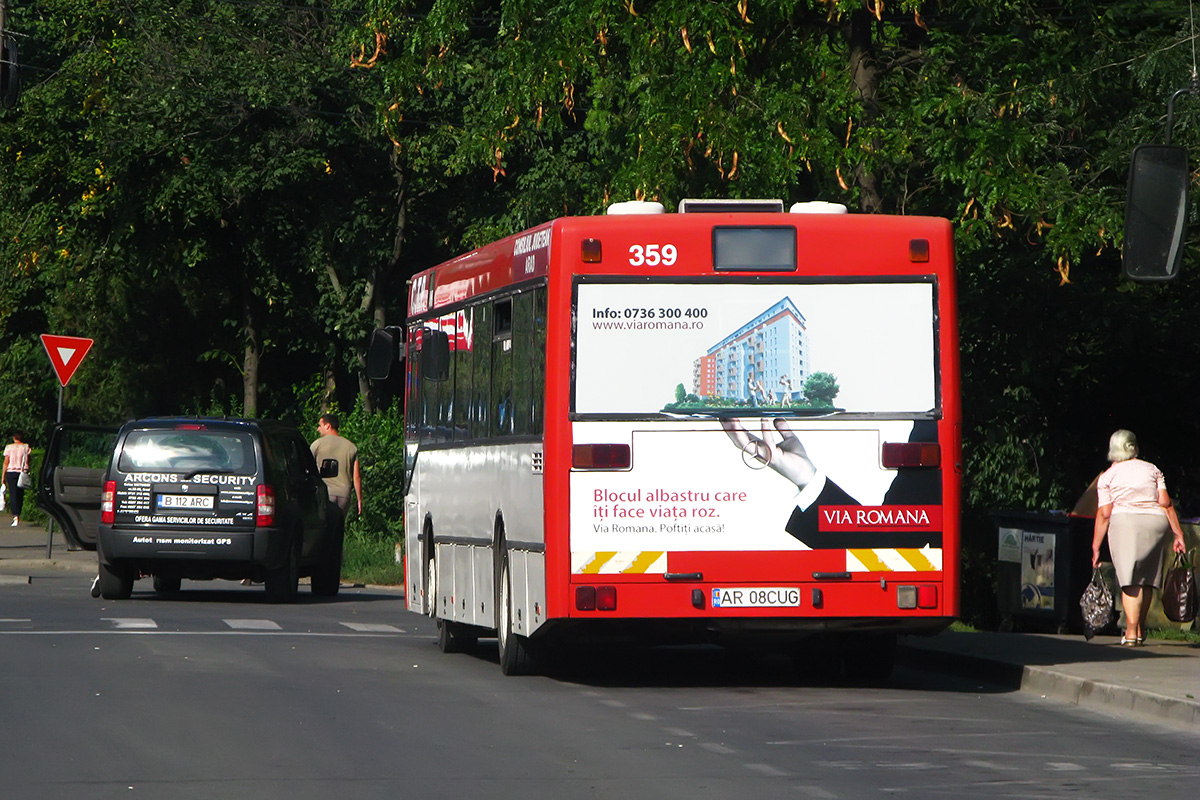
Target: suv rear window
{"x":187,"y":451}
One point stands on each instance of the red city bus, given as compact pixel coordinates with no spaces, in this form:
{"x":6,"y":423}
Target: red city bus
{"x":730,"y":423}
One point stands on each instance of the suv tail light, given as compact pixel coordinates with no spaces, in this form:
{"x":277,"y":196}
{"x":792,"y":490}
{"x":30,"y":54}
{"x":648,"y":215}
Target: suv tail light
{"x":108,"y":504}
{"x":264,"y":508}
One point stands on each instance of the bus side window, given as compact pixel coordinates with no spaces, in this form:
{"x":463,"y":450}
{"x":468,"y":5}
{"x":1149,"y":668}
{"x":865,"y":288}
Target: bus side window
{"x":502,"y":367}
{"x":522,"y":338}
{"x":538,"y":361}
{"x":462,"y":358}
{"x":481,"y":395}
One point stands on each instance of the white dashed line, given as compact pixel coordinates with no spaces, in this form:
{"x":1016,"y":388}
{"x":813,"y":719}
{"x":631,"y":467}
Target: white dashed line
{"x":130,"y":623}
{"x":252,"y":624}
{"x":363,"y":627}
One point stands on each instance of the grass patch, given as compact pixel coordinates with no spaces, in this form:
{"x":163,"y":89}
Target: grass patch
{"x":370,"y":561}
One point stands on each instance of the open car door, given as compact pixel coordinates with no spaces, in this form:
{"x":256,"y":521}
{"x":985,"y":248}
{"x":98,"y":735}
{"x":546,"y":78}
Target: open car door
{"x":72,"y":480}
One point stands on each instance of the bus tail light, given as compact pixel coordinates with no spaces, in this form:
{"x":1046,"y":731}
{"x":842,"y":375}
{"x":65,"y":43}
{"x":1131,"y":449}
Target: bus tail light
{"x":596,"y":598}
{"x":600,"y":456}
{"x":264,"y":508}
{"x":911,"y":454}
{"x":925,"y":596}
{"x":590,"y":251}
{"x":108,"y":503}
{"x":918,"y":251}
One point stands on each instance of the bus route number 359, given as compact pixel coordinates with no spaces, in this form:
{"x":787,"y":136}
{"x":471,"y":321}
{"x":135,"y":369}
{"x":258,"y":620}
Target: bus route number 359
{"x":756,"y":597}
{"x":651,"y":255}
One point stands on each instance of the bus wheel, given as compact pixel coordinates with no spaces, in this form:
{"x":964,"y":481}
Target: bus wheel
{"x":515,"y":658}
{"x":869,"y":658}
{"x":454,"y":637}
{"x":431,"y":587}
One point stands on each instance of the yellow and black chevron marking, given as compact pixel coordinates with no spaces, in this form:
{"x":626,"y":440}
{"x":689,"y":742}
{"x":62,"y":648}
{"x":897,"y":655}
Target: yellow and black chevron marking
{"x":891,"y":560}
{"x":631,"y":562}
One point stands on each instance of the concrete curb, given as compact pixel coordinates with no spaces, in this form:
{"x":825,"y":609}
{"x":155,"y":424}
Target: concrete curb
{"x":1107,"y":697}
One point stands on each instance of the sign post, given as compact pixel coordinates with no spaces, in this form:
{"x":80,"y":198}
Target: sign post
{"x":66,"y":354}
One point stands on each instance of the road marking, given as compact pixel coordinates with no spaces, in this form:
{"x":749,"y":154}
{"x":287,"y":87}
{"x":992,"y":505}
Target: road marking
{"x":16,"y":620}
{"x":680,"y":732}
{"x":252,"y":624}
{"x":363,"y":627}
{"x":1064,"y":766}
{"x":713,"y":747}
{"x":130,"y":623}
{"x":765,"y":769}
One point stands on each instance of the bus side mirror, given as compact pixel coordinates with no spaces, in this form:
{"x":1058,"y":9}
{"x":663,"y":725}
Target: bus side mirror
{"x":1155,"y":213}
{"x":383,"y":352}
{"x":435,"y":355}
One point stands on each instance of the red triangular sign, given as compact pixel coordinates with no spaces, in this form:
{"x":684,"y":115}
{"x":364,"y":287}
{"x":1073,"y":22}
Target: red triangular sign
{"x":66,"y":354}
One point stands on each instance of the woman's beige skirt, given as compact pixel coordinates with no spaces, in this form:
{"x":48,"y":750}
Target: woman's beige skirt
{"x":1137,"y":543}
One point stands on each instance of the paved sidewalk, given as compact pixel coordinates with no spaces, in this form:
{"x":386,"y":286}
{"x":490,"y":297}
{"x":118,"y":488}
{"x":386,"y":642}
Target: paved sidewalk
{"x":1158,"y":683}
{"x":24,"y":553}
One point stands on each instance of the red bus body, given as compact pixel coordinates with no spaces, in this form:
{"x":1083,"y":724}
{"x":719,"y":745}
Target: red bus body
{"x":633,"y":457}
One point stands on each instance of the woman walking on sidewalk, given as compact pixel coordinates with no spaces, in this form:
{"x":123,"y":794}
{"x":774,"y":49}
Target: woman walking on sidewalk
{"x":16,"y":463}
{"x":1135,"y":512}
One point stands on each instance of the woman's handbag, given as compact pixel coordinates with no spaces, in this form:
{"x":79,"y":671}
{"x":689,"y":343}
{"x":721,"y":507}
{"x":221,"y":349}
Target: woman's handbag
{"x":1179,"y":590}
{"x":24,"y":480}
{"x":1097,"y":605}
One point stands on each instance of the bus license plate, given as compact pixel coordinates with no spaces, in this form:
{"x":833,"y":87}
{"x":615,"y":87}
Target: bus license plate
{"x":185,"y":501}
{"x":756,"y":597}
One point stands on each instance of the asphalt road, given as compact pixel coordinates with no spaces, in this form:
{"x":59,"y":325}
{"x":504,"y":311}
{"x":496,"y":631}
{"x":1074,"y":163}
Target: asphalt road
{"x":215,"y":693}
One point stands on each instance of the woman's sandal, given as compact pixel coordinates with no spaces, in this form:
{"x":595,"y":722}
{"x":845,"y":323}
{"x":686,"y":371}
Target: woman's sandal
{"x":1127,"y":642}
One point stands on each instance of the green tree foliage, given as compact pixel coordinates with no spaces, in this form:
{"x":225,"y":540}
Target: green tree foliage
{"x":820,"y":388}
{"x":199,"y":187}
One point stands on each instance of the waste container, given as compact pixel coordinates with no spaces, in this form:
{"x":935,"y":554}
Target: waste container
{"x":1044,"y":563}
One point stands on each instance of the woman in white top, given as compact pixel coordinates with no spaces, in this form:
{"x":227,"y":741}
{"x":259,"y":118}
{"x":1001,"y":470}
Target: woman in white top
{"x":16,"y":461}
{"x":1135,"y":512}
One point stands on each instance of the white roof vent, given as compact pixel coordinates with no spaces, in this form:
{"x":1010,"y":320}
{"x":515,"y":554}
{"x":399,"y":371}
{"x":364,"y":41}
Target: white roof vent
{"x":817,"y":207}
{"x":636,"y":207}
{"x":693,"y":205}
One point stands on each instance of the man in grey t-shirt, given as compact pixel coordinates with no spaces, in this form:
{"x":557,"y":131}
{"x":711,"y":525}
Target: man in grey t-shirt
{"x":332,"y":445}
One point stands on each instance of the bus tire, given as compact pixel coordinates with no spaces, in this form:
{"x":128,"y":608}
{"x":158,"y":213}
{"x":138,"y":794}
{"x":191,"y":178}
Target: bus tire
{"x":515,"y":658}
{"x":454,"y":637}
{"x":116,"y":581}
{"x":282,"y":582}
{"x":870,"y":658}
{"x":431,"y":585}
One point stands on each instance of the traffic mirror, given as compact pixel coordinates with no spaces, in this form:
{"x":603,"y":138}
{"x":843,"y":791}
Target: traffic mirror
{"x":1155,"y":213}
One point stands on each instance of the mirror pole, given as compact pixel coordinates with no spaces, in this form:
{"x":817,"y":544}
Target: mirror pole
{"x":1191,"y":88}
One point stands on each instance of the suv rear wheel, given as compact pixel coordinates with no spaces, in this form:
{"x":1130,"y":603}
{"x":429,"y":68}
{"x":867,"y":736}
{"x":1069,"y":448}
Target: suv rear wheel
{"x":116,"y":582}
{"x":282,"y":581}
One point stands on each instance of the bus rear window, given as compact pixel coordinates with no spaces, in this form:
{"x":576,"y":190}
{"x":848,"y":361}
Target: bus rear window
{"x":756,"y":249}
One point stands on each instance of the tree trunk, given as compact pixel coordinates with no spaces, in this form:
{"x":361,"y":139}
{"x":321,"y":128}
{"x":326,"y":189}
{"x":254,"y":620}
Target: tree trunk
{"x":865,"y":74}
{"x":373,"y":305}
{"x":251,"y":356}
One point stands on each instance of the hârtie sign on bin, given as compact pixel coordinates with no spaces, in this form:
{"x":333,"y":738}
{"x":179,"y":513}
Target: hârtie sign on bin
{"x":66,"y":354}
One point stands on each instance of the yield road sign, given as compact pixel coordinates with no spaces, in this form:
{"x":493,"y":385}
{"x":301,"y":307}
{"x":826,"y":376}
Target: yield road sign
{"x":66,"y":354}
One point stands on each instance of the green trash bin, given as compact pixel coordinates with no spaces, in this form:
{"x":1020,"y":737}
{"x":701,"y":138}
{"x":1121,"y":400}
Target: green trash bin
{"x":1044,"y":563}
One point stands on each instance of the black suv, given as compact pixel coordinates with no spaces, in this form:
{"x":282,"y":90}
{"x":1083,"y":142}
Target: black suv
{"x":206,"y":498}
